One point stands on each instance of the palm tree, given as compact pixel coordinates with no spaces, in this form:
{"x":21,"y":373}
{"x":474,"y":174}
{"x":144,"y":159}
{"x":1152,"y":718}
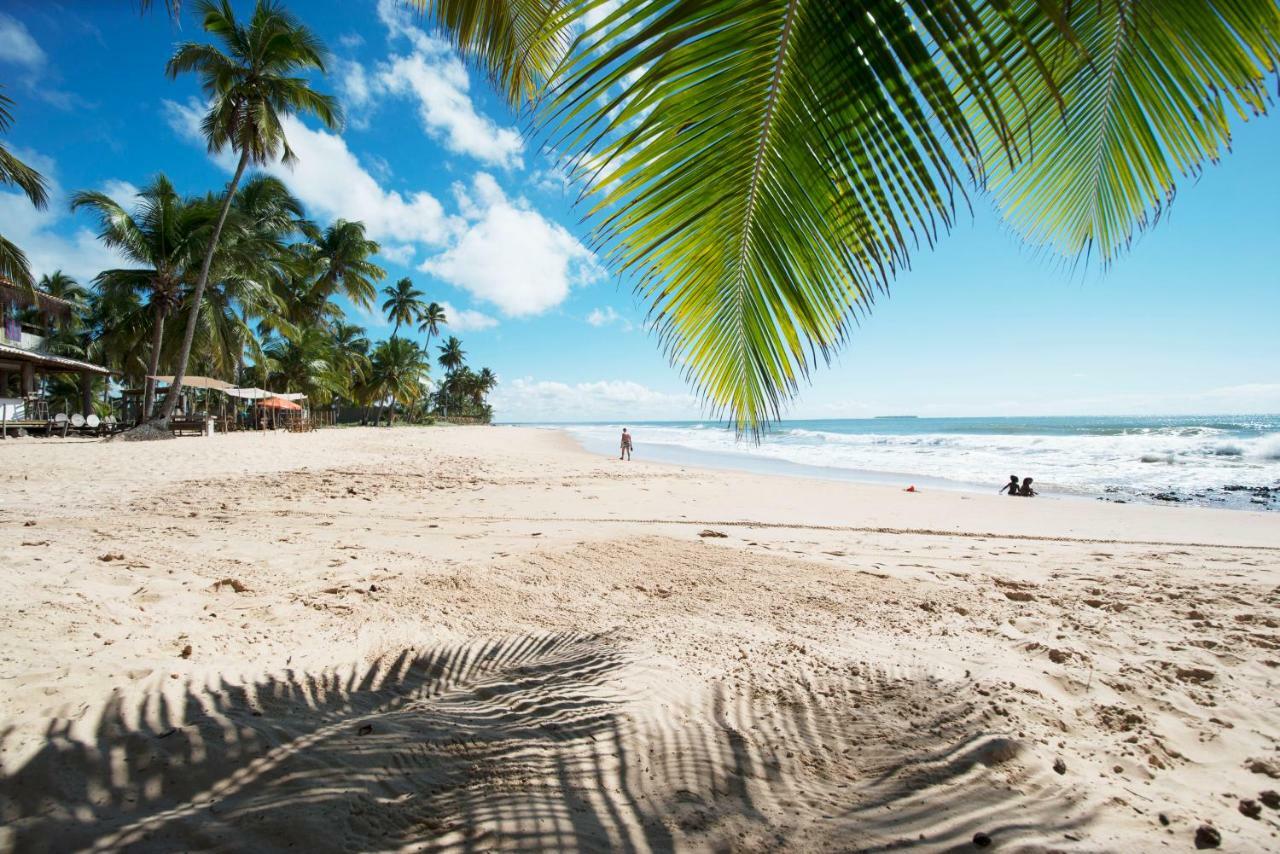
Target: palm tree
{"x":764,"y":168}
{"x":342,"y":256}
{"x":263,"y":214}
{"x":404,"y":303}
{"x":305,"y":363}
{"x":398,"y":369}
{"x":163,"y":236}
{"x":251,"y":86}
{"x":62,"y":286}
{"x":452,"y":356}
{"x":13,"y":261}
{"x":433,"y":317}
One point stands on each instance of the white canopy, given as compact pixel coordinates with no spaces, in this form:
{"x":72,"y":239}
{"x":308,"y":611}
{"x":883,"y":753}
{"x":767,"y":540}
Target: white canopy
{"x":196,"y":382}
{"x":253,"y":393}
{"x":248,"y":393}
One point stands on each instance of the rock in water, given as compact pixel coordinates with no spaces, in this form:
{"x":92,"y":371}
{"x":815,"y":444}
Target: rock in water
{"x":1271,"y":798}
{"x":1207,"y":836}
{"x":1251,"y":808}
{"x":1059,"y":766}
{"x":981,"y":840}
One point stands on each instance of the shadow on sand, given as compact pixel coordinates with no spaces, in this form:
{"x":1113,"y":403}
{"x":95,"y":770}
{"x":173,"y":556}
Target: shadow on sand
{"x":531,"y":743}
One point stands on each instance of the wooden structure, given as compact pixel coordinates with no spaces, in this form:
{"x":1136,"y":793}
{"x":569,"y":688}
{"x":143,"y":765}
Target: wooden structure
{"x":28,"y":316}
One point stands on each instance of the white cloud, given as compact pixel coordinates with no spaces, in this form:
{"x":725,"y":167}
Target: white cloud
{"x":510,"y":255}
{"x":397,"y":253}
{"x":48,"y":237}
{"x":553,"y":180}
{"x":16,"y":44}
{"x":439,"y":81}
{"x":433,"y":75}
{"x":607,"y":316}
{"x":525,"y":399}
{"x":123,"y":192}
{"x":329,"y":179}
{"x":461,"y":320}
{"x":351,"y":40}
{"x":353,"y":81}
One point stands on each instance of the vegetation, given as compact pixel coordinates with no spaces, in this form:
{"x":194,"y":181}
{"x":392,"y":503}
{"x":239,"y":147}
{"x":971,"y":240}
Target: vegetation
{"x":762,"y":169}
{"x":257,"y":282}
{"x":13,"y":261}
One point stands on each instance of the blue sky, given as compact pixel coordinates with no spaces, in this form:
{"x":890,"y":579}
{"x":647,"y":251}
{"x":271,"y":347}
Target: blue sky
{"x":436,"y":166}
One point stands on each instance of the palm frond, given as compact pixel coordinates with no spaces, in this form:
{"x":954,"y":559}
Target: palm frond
{"x":1148,"y":92}
{"x":763,"y":169}
{"x":14,"y":265}
{"x":518,"y":42}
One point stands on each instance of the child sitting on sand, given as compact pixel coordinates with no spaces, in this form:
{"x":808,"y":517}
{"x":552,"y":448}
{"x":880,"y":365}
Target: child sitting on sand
{"x":1012,"y":485}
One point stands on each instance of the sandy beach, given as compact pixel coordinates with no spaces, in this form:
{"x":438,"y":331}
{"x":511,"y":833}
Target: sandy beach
{"x":467,"y":639}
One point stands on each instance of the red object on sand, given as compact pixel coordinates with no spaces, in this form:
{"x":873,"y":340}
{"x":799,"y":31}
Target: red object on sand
{"x":911,"y":488}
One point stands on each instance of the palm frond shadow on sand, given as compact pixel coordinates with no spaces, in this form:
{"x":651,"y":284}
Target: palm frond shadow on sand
{"x":530,"y":743}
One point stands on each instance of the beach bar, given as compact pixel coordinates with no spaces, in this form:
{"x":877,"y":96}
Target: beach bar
{"x":30,"y":317}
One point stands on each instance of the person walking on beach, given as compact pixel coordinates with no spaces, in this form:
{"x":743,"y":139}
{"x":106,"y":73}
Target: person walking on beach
{"x":1012,"y":486}
{"x":1026,"y":489}
{"x":626,"y":445}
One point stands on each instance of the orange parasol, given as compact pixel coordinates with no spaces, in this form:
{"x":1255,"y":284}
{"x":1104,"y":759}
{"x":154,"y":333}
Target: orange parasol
{"x":279,"y":403}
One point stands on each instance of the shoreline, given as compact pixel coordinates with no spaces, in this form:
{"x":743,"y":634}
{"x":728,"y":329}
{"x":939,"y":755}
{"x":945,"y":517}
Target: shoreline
{"x":491,"y":637}
{"x":1235,"y":490}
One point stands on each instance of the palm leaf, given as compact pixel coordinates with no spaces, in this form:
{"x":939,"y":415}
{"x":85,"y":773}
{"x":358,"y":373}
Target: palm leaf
{"x":14,"y":265}
{"x":764,"y":168}
{"x":1148,"y":89}
{"x":519,"y":42}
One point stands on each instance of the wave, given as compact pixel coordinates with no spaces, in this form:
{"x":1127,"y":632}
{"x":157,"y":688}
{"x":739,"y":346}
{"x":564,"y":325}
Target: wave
{"x":1140,"y":459}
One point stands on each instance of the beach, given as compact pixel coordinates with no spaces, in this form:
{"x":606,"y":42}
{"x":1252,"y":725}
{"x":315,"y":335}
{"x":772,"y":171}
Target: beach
{"x":487,"y":638}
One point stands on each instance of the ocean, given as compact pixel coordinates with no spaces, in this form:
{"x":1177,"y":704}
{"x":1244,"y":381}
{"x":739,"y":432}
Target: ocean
{"x":1222,"y":461}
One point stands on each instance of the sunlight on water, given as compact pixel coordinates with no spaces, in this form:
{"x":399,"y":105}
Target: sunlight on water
{"x":1192,"y":458}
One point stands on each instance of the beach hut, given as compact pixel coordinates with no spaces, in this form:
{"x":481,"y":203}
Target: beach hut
{"x":29,"y":319}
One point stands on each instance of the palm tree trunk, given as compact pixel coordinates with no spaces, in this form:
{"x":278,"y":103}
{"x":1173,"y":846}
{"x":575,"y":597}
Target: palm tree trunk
{"x":244,"y":324}
{"x":171,"y":399}
{"x":153,"y":366}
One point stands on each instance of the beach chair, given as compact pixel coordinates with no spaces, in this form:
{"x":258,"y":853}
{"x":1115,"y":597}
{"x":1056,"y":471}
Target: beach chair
{"x":77,"y":423}
{"x":89,"y":424}
{"x":59,"y":422}
{"x":109,"y":426}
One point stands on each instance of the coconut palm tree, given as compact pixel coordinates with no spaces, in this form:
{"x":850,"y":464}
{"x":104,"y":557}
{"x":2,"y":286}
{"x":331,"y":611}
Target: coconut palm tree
{"x":342,"y":258}
{"x":433,"y":317}
{"x":404,"y":303}
{"x":62,"y":286}
{"x":452,"y":356}
{"x":252,"y":84}
{"x":13,"y":261}
{"x":305,"y":363}
{"x":162,"y":236}
{"x":398,"y":368}
{"x":764,"y":168}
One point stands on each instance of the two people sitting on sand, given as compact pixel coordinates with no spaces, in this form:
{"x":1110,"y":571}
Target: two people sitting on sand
{"x":1014,"y":490}
{"x":626,"y":445}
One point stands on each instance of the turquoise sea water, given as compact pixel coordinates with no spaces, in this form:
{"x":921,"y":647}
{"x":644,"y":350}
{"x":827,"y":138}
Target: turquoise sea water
{"x":1216,"y":460}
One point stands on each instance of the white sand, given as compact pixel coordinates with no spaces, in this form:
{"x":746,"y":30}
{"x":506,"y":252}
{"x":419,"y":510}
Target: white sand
{"x":484,"y":638}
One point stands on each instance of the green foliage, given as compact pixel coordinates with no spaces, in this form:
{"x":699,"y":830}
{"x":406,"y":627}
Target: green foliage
{"x":763,"y":169}
{"x":13,"y":261}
